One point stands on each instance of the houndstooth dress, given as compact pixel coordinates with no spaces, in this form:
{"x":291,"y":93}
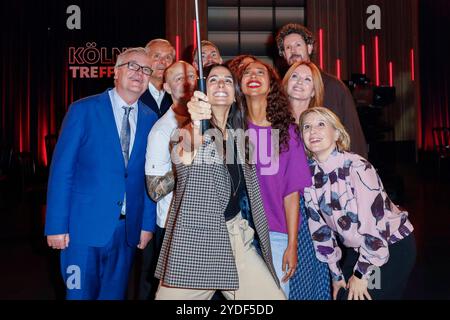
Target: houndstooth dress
{"x":196,"y":251}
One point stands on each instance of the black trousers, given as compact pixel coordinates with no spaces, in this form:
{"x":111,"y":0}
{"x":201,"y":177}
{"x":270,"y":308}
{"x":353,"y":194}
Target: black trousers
{"x":148,"y":284}
{"x":394,"y":274}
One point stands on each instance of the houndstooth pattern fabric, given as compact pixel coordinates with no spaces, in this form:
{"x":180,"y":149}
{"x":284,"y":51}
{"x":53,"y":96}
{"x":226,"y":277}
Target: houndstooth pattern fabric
{"x":196,"y":251}
{"x":311,"y":280}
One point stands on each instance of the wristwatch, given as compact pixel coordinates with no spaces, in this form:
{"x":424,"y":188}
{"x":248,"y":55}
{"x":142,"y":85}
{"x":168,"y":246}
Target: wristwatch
{"x":358,"y":274}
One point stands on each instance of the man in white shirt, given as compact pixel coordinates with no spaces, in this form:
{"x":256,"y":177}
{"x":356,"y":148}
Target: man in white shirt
{"x":162,"y":55}
{"x":180,"y":80}
{"x":296,"y":44}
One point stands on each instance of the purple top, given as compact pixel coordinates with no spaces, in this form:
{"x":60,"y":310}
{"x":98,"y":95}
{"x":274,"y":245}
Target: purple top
{"x":278,"y":176}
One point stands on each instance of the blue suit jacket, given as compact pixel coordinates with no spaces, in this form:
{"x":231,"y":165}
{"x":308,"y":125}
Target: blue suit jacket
{"x":148,"y":100}
{"x":88,"y":178}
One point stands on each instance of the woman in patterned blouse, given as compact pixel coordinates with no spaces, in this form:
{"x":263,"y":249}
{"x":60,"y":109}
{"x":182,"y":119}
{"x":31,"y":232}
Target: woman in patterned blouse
{"x":348,"y":205}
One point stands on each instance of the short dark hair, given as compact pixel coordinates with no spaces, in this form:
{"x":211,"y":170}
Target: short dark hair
{"x":204,"y":43}
{"x":293,"y":28}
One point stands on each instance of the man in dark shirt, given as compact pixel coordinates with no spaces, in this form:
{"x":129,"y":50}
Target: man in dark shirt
{"x":296,"y":43}
{"x":162,"y":55}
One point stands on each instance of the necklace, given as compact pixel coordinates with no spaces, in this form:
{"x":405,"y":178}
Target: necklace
{"x":232,"y":183}
{"x":230,"y":167}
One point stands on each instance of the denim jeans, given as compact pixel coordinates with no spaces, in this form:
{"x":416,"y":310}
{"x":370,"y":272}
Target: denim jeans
{"x":278,"y":243}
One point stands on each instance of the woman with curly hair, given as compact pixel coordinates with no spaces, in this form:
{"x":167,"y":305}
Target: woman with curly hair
{"x":280,"y":161}
{"x":239,"y":61}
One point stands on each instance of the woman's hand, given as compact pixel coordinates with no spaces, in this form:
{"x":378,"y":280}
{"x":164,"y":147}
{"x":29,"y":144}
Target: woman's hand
{"x":357,"y":289}
{"x":190,"y":135}
{"x":337,"y":285}
{"x":290,"y":261}
{"x":199,"y":108}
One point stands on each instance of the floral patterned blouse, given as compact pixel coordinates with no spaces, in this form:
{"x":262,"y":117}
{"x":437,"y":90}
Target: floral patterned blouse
{"x":347,"y":200}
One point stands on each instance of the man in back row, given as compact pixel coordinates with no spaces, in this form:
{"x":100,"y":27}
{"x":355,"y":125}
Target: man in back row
{"x":296,"y":43}
{"x":162,"y":55}
{"x":179,"y":81}
{"x":210,"y":55}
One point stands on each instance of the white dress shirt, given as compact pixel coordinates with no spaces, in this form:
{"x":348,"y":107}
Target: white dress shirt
{"x":117,"y":104}
{"x":157,"y":159}
{"x":156,"y":94}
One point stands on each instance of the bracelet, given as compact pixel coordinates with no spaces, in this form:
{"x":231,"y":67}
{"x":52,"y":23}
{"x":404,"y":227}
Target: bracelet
{"x":194,"y":126}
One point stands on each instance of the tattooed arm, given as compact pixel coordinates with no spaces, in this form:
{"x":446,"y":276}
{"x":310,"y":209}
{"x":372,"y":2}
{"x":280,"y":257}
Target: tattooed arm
{"x":160,"y":186}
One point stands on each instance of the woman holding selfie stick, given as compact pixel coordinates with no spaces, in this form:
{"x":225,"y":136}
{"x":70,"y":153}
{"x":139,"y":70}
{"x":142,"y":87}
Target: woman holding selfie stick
{"x":209,"y":245}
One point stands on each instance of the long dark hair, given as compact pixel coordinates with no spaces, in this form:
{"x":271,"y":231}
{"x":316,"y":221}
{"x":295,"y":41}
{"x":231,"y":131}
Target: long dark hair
{"x":278,"y":111}
{"x":236,"y":117}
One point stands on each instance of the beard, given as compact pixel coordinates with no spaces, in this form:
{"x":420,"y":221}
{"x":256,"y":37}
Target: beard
{"x":295,"y":58}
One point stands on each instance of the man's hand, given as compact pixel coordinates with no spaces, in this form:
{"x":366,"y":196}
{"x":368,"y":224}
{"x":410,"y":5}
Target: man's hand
{"x":58,"y":241}
{"x":145,"y":239}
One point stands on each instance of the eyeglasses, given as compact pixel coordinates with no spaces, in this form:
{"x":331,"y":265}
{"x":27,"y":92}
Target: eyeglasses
{"x":135,"y":67}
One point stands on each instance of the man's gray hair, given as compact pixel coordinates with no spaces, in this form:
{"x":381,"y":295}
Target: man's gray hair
{"x":160,"y":41}
{"x":121,"y":57}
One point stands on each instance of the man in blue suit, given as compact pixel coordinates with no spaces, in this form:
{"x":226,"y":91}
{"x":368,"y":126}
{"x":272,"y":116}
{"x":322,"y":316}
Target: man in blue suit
{"x":98,"y":210}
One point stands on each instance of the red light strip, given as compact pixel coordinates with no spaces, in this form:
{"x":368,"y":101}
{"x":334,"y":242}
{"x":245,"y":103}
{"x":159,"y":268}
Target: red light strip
{"x":194,"y":27}
{"x":177,"y":47}
{"x":413,"y":71}
{"x":377,"y":62}
{"x":391,"y":74}
{"x":20,"y":130}
{"x":321,"y":47}
{"x":338,"y":69}
{"x":27,"y":120}
{"x":363,"y":59}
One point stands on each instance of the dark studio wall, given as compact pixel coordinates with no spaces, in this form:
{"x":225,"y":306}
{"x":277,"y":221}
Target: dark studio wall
{"x":434,"y":67}
{"x":39,"y":76}
{"x":345,"y":31}
{"x":37,"y":81}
